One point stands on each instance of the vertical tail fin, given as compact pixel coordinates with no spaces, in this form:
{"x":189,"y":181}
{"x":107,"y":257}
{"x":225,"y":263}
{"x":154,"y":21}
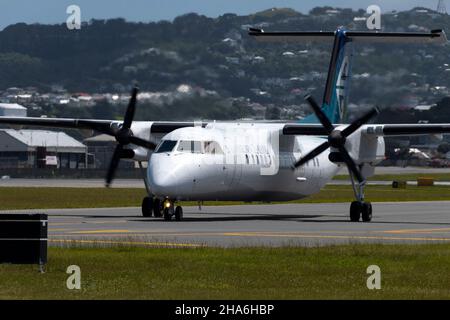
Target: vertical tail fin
{"x":337,"y":85}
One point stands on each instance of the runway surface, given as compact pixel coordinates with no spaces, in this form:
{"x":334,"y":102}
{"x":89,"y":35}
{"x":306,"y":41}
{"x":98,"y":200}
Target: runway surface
{"x":250,"y":225}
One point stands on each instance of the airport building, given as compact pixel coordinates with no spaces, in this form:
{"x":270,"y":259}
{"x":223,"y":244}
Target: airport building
{"x":101,"y":148}
{"x":40,"y":149}
{"x":12,"y":110}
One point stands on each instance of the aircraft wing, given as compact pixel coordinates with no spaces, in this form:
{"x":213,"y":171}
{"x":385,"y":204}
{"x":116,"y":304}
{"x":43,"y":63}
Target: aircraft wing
{"x":99,"y":125}
{"x":393,"y":130}
{"x":305,"y":129}
{"x":103,"y":126}
{"x":386,"y":130}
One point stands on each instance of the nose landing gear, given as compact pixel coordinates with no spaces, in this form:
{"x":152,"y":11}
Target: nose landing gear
{"x":165,"y":209}
{"x":178,"y":213}
{"x":171,"y":211}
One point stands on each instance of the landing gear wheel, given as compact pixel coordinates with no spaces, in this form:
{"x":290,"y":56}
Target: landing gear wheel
{"x":157,"y":208}
{"x":168,"y":213}
{"x":366,"y":212}
{"x":178,"y":213}
{"x":355,"y":211}
{"x":147,"y":207}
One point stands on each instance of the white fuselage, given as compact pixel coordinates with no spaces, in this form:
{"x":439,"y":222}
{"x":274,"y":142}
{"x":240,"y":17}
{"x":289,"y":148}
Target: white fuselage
{"x":236,"y":161}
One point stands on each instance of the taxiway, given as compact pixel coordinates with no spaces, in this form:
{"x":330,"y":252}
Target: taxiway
{"x":250,"y":225}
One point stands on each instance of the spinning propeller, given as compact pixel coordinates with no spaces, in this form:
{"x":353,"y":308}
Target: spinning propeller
{"x":336,"y":139}
{"x":124,"y":136}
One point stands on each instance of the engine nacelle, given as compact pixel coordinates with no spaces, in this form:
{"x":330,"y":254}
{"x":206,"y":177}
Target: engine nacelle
{"x":366,"y":150}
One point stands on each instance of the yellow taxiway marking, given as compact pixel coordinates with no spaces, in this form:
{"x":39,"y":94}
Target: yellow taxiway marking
{"x":143,"y":243}
{"x":84,"y":221}
{"x":400,"y":231}
{"x":244,"y":234}
{"x":100,"y":231}
{"x":273,"y":235}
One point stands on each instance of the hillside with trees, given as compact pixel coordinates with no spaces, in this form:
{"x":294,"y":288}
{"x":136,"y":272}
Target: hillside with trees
{"x":217,"y":55}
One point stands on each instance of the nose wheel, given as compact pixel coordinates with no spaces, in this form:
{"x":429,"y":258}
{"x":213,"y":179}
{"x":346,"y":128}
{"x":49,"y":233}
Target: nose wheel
{"x":168,"y":213}
{"x":165,"y":209}
{"x":178,"y":213}
{"x":171,"y":212}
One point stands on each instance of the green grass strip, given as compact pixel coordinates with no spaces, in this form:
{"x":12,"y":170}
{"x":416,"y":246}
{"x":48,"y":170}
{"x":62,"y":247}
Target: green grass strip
{"x":47,"y":198}
{"x":334,"y":272}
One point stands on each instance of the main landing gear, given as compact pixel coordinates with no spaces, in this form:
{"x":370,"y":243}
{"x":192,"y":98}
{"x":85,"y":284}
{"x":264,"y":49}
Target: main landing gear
{"x":359,"y":208}
{"x":151,"y":207}
{"x":158,"y":208}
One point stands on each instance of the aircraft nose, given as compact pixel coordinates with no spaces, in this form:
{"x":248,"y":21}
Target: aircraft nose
{"x":164,"y":176}
{"x":159,"y":180}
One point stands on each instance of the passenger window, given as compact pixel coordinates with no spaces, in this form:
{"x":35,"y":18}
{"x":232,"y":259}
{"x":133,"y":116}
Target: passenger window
{"x":165,"y":146}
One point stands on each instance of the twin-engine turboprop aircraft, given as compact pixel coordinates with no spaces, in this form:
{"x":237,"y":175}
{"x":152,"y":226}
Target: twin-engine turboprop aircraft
{"x":258,"y":161}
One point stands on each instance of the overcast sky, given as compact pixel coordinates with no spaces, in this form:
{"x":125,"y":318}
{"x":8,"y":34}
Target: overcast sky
{"x":54,"y":11}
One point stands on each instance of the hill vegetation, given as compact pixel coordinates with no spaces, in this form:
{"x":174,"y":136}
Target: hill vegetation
{"x":216,"y":54}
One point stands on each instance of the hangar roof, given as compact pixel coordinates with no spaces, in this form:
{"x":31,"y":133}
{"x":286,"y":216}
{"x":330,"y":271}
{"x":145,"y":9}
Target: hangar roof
{"x":100,"y":138}
{"x":11,"y":106}
{"x":44,"y":138}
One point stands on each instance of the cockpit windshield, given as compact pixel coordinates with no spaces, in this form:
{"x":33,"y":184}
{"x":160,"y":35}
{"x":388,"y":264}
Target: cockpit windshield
{"x":210,"y":147}
{"x":166,"y":146}
{"x":190,"y":146}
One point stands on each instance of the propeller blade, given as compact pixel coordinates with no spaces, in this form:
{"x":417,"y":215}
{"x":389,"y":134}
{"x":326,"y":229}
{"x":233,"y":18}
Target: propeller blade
{"x":312,"y":154}
{"x":129,"y":114}
{"x":113,"y":165}
{"x":359,"y":122}
{"x":319,"y":114}
{"x":142,"y":143}
{"x":351,"y":165}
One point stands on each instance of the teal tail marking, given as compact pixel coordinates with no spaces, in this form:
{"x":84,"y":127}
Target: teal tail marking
{"x":336,"y":90}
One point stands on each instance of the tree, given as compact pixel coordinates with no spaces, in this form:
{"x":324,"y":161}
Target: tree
{"x":273,"y":113}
